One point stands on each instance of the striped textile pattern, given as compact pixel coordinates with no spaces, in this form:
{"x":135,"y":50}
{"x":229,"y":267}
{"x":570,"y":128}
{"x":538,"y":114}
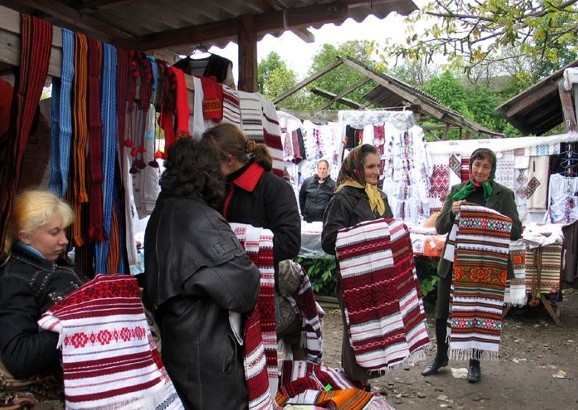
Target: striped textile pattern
{"x":543,"y":269}
{"x":251,"y":115}
{"x":379,"y":289}
{"x":478,"y":283}
{"x":515,"y":293}
{"x":231,"y":106}
{"x":272,"y":135}
{"x":260,"y":334}
{"x":109,"y":357}
{"x":108,"y":154}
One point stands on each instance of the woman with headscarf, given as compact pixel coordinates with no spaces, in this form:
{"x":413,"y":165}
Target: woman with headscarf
{"x":481,"y":189}
{"x":356,"y":199}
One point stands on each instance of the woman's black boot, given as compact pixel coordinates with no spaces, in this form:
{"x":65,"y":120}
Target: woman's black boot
{"x":474,"y":371}
{"x":441,"y":359}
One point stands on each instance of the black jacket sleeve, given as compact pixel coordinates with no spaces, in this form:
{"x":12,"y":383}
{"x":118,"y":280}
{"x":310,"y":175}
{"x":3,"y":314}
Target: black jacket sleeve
{"x":26,"y":350}
{"x":285,"y":222}
{"x":303,"y":196}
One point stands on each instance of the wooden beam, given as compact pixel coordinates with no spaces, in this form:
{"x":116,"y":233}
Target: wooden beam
{"x":10,"y":42}
{"x":567,"y":107}
{"x":308,"y":80}
{"x":333,"y":98}
{"x":97,"y":5}
{"x":339,"y":96}
{"x":288,"y":19}
{"x":75,"y":20}
{"x":514,"y":108}
{"x":248,"y":55}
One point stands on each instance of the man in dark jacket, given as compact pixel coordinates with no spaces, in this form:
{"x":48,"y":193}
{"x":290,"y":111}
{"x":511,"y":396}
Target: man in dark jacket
{"x":196,"y":272}
{"x":316,"y":192}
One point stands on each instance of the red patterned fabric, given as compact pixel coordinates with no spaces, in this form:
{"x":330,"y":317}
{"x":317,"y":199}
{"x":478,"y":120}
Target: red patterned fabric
{"x":478,"y":283}
{"x":35,"y":51}
{"x":109,"y":357}
{"x":380,"y":293}
{"x":212,"y":98}
{"x":260,"y":334}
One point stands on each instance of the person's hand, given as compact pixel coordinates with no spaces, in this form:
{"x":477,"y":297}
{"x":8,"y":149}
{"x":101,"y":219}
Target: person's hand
{"x":456,"y":207}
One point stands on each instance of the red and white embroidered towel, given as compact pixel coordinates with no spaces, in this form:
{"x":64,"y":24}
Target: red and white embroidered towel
{"x":109,"y":357}
{"x":260,"y":334}
{"x":384,"y":312}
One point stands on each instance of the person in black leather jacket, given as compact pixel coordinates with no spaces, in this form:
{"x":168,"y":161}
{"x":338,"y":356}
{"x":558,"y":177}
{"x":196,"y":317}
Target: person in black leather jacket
{"x":33,"y":277}
{"x":196,"y":272}
{"x":315,"y":193}
{"x":357,"y":199}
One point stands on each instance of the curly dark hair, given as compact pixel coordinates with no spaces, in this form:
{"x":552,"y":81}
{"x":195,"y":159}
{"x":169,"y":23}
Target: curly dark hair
{"x":193,"y":168}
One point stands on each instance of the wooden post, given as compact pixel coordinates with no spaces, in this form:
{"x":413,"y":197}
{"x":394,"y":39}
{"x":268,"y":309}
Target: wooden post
{"x":567,"y":107}
{"x":247,"y":54}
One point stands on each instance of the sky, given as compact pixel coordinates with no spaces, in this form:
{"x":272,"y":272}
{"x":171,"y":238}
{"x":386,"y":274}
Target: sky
{"x":299,"y":54}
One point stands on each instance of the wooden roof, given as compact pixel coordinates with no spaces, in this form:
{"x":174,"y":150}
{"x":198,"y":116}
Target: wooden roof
{"x":541,"y":107}
{"x":391,"y":93}
{"x":169,"y":28}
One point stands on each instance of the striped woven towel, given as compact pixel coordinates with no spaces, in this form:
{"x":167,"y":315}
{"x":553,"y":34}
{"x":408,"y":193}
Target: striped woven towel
{"x":478,"y":283}
{"x":109,"y":357}
{"x":543,"y":269}
{"x":260,"y":334}
{"x":385,"y":316}
{"x":515,"y":294}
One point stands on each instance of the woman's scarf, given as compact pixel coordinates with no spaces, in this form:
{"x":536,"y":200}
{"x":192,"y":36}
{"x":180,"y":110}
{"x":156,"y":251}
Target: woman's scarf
{"x":470,"y":187}
{"x":352,"y":174}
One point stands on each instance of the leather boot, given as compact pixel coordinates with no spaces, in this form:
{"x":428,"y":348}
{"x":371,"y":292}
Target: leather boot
{"x":474,"y":371}
{"x":441,"y":359}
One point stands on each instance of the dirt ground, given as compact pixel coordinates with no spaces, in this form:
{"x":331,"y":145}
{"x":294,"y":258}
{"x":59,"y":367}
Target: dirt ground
{"x":538,"y":366}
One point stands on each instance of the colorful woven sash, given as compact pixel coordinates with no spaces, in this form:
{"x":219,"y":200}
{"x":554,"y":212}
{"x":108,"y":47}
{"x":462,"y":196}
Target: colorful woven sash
{"x":260,"y":335}
{"x":80,"y":135}
{"x":109,"y":144}
{"x":59,"y":178}
{"x":36,"y":40}
{"x":478,"y":283}
{"x":380,"y":293}
{"x":109,"y":357}
{"x":95,"y":230}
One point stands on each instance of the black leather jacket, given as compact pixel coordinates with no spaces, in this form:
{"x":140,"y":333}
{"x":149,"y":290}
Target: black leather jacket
{"x":314,"y":197}
{"x":29,"y":286}
{"x":196,"y":271}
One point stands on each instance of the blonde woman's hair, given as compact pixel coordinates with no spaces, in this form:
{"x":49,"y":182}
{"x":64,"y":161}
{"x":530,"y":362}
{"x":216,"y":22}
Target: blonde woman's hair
{"x":32,"y":209}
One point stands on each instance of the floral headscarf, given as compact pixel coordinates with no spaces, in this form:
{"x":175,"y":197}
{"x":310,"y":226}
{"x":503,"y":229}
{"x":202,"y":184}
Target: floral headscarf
{"x":352,"y":173}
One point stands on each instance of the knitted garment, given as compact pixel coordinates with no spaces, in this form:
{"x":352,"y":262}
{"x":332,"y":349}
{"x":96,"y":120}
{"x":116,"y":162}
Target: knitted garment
{"x":109,"y":357}
{"x":380,"y":294}
{"x":515,"y":293}
{"x":260,"y":335}
{"x":478,"y":283}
